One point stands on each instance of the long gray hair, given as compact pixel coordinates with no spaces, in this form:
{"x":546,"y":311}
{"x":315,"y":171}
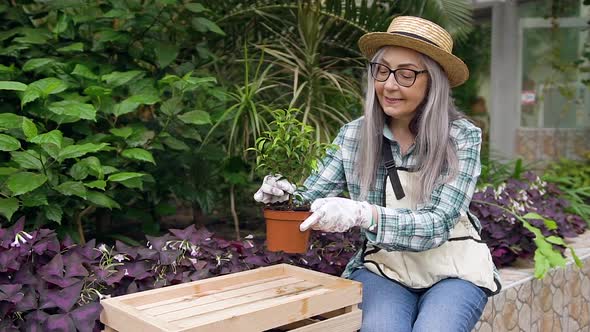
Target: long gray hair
{"x":436,"y":157}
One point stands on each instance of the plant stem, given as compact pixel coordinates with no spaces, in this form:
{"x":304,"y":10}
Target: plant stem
{"x":233,"y":211}
{"x":84,"y":212}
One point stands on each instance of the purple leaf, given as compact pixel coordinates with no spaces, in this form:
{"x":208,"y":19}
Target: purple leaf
{"x":184,"y":234}
{"x":54,"y":268}
{"x":63,"y":299}
{"x":35,"y":320}
{"x":59,"y":323}
{"x":125,"y":249}
{"x":29,"y":300}
{"x":60,"y":281}
{"x":84,"y":317}
{"x":8,"y":291}
{"x":9,"y":260}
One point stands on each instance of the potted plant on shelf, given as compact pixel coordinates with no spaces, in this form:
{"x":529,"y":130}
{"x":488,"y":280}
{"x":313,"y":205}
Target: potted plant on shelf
{"x":290,"y":149}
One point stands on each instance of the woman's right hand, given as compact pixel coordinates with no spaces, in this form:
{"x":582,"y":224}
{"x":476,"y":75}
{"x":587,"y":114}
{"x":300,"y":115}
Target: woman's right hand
{"x":274,"y":189}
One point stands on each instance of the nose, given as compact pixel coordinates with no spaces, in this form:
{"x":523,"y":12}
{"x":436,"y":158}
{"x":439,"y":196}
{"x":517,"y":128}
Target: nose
{"x":391,"y":83}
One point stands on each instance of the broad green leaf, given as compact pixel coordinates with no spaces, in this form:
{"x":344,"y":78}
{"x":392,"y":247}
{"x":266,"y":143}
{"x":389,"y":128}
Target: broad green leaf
{"x":97,"y":184}
{"x":29,"y":159}
{"x":74,"y":108}
{"x":166,"y":53}
{"x":8,"y":170}
{"x":30,"y":95}
{"x":195,"y":7}
{"x":10,"y":121}
{"x":85,"y":72}
{"x":49,"y":86}
{"x":532,"y":215}
{"x":61,"y":25}
{"x":8,"y":206}
{"x":122,"y":132}
{"x":69,"y":188}
{"x":34,"y":198}
{"x":97,"y":91}
{"x":24,"y":182}
{"x":169,"y":79}
{"x":101,"y":199}
{"x":12,"y":85}
{"x":138,"y":154}
{"x":74,"y":47}
{"x":550,"y":224}
{"x":195,"y":117}
{"x":175,"y":144}
{"x":75,"y":151}
{"x":8,"y":143}
{"x":147,"y":99}
{"x":79,"y":171}
{"x":29,"y":128}
{"x":171,"y":106}
{"x":109,"y":169}
{"x":125,"y":107}
{"x":135,"y":183}
{"x":556,"y":240}
{"x":118,"y":177}
{"x":51,"y":149}
{"x":36,"y":63}
{"x":203,"y":25}
{"x":117,"y":78}
{"x":53,"y":137}
{"x":53,"y":212}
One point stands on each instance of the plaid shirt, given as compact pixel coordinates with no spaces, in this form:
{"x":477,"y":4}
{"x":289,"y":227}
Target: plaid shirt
{"x":401,"y":229}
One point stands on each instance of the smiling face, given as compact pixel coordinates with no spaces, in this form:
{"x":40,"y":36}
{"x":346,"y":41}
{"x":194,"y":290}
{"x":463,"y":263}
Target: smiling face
{"x":397,"y":101}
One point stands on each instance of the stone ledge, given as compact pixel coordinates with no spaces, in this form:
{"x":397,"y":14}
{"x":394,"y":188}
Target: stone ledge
{"x":559,"y":302}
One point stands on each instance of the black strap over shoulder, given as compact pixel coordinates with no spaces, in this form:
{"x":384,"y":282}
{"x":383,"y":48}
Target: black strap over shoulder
{"x":389,"y":163}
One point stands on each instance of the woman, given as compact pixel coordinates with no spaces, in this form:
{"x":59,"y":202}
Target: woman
{"x":410,"y":166}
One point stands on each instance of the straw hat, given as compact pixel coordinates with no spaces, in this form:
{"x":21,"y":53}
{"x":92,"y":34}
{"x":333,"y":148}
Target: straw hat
{"x":420,"y":35}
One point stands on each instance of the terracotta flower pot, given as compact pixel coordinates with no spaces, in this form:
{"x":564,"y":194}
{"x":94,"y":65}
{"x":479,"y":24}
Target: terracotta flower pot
{"x":282,"y":231}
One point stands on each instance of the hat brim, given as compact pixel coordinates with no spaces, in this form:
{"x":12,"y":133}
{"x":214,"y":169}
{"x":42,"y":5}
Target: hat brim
{"x":454,"y":67}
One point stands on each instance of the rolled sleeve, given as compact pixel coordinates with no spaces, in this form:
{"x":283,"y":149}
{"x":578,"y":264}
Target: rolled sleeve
{"x":429,"y":225}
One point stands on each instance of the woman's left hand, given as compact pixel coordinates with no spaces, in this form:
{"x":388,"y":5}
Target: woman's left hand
{"x":336,"y":214}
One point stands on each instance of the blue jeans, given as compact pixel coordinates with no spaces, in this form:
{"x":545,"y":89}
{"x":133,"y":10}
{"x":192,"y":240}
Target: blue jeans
{"x":450,"y":305}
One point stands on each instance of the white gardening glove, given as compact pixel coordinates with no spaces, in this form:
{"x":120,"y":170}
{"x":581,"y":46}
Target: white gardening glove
{"x":274,"y":190}
{"x":336,"y":214}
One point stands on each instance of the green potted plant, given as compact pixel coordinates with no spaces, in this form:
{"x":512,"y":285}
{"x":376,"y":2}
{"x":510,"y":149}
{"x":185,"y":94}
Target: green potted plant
{"x":290,"y":149}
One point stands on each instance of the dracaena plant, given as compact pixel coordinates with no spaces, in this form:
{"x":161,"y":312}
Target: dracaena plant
{"x":289,"y":149}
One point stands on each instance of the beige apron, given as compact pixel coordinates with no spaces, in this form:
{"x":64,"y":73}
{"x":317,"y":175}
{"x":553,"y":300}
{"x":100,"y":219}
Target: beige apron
{"x":463,"y":256}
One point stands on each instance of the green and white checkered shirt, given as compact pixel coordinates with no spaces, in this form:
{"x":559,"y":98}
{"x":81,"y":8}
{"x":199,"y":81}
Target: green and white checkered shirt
{"x":401,"y":229}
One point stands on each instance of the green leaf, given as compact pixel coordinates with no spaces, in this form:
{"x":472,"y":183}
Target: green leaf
{"x":122,"y":132}
{"x":12,"y":85}
{"x":8,"y":206}
{"x":24,"y":182}
{"x":147,"y":99}
{"x":29,"y":159}
{"x":171,"y":106}
{"x":97,"y":91}
{"x":74,"y":47}
{"x":116,"y":78}
{"x":166,"y":53}
{"x":101,"y":199}
{"x":195,"y":117}
{"x":100,"y":184}
{"x":29,"y":128}
{"x":34,"y":198}
{"x":195,"y":7}
{"x":49,"y":86}
{"x":138,"y":154}
{"x":8,"y":143}
{"x":125,"y":107}
{"x":555,"y":240}
{"x":135,"y":183}
{"x":203,"y":25}
{"x":8,"y":170}
{"x":30,"y":95}
{"x":123,"y":176}
{"x":54,"y":137}
{"x":532,"y":215}
{"x":176,"y":144}
{"x":69,"y":188}
{"x":36,"y":63}
{"x":53,"y":212}
{"x":10,"y":121}
{"x":74,"y":108}
{"x":85,"y":72}
{"x":75,"y":151}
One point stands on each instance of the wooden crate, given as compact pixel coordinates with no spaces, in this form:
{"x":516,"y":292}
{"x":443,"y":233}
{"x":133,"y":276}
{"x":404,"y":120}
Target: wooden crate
{"x":277,"y":298}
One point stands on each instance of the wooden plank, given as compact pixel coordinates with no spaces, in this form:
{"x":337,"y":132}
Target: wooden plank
{"x":319,"y":277}
{"x":348,"y":322}
{"x":122,"y":317}
{"x":158,"y":308}
{"x":108,"y":329}
{"x":165,"y":293}
{"x":270,"y":314}
{"x":294,"y":286}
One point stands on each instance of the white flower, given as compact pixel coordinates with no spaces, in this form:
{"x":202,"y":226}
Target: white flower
{"x":119,"y":257}
{"x":20,"y":237}
{"x":249,"y":237}
{"x":126,"y":272}
{"x":103,"y":248}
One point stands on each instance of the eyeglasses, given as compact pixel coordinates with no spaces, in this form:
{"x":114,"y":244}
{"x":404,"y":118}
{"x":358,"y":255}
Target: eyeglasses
{"x":403,"y":76}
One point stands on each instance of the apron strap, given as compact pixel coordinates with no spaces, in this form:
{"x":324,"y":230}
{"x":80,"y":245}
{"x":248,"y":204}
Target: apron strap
{"x":392,"y":170}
